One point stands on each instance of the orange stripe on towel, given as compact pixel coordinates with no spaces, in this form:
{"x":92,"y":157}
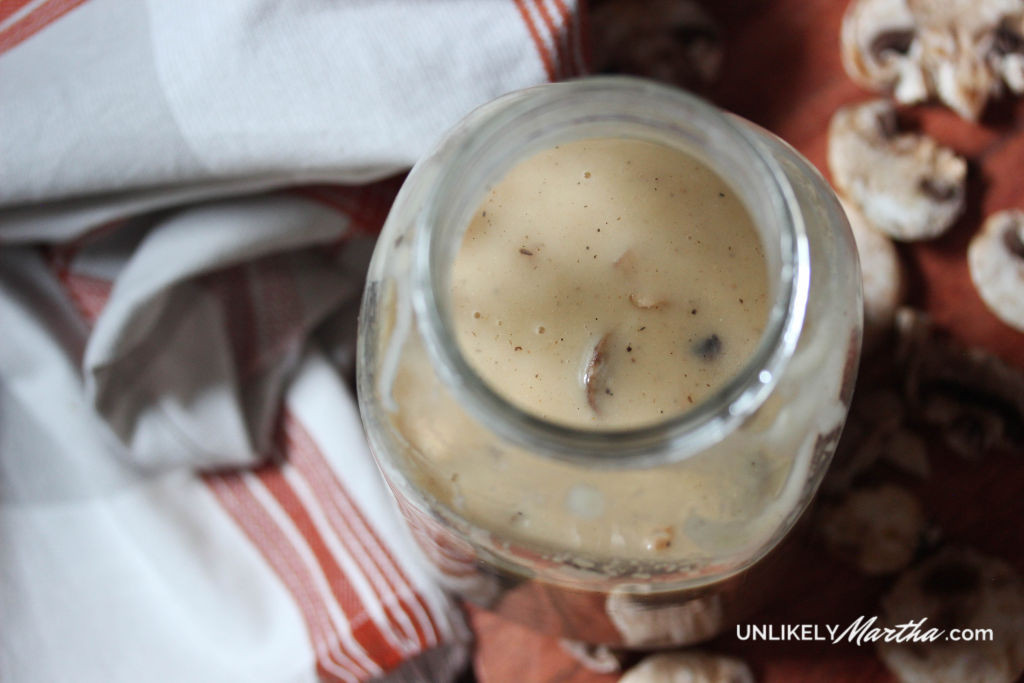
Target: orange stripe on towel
{"x":238,"y":497}
{"x":414,"y":618}
{"x":35,"y":21}
{"x":555,"y":30}
{"x":538,"y":42}
{"x":310,"y":530}
{"x":8,"y":8}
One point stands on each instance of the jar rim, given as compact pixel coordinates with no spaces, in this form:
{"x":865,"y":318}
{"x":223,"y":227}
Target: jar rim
{"x":674,"y":438}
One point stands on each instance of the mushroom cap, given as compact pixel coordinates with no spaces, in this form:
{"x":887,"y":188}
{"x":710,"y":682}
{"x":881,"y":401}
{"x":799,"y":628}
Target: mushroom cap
{"x":968,"y":398}
{"x":881,"y":275}
{"x":645,"y":625}
{"x":879,"y":51}
{"x":905,"y":184}
{"x":960,"y":51}
{"x":688,"y":667}
{"x":876,"y":528}
{"x":996,"y":261}
{"x":958,"y":588}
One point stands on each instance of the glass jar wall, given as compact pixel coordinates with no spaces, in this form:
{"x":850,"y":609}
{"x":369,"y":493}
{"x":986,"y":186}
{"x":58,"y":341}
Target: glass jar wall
{"x":560,"y":527}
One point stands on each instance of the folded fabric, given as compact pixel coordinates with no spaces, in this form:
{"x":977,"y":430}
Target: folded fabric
{"x":189,"y":193}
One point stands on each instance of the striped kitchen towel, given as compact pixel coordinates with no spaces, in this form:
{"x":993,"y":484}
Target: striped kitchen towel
{"x":189,"y":192}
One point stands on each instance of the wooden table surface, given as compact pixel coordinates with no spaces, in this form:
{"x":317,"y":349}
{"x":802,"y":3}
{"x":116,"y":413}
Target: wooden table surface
{"x":782,"y":70}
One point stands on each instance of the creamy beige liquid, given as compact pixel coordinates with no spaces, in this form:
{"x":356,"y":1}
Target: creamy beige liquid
{"x":609,"y":283}
{"x":643,"y":256}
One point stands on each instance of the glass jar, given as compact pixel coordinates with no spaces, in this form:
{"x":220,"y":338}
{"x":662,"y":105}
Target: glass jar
{"x":505,"y":505}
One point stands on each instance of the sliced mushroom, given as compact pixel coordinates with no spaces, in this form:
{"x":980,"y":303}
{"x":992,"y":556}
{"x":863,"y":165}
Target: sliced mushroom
{"x":643,"y":285}
{"x":876,"y":432}
{"x":904,"y":184}
{"x":996,"y":260}
{"x":895,"y":446}
{"x":689,"y":667}
{"x":649,"y":622}
{"x":881,"y":275}
{"x":963,"y":589}
{"x":645,"y":302}
{"x":877,"y":529}
{"x":1007,"y":55}
{"x":962,"y":52}
{"x":668,"y":40}
{"x":969,"y":430}
{"x":906,"y":451}
{"x":595,"y":373}
{"x":880,"y":50}
{"x":971,"y":399}
{"x":660,"y":538}
{"x":597,"y":658}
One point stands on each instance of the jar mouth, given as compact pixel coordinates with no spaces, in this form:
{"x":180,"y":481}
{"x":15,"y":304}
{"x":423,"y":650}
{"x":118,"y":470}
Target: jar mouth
{"x":529,"y":120}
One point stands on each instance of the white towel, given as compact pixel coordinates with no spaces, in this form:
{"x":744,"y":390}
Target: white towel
{"x":189,"y":192}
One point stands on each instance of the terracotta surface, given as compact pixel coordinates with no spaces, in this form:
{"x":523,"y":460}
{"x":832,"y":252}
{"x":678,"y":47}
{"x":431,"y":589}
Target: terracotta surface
{"x":782,"y":70}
